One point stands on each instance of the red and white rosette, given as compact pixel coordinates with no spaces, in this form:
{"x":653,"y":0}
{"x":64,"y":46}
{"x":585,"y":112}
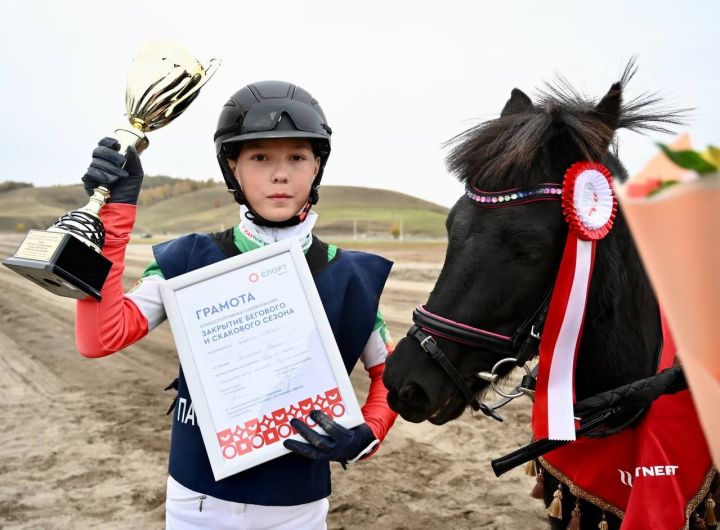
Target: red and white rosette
{"x":589,"y":206}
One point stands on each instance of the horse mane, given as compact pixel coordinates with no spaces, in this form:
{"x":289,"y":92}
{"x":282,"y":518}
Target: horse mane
{"x":516,"y":149}
{"x":532,"y":143}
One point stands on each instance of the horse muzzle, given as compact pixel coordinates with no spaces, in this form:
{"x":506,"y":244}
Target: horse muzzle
{"x":416,"y":389}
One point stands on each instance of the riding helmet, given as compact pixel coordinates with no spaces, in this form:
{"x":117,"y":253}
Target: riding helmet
{"x":270,"y":109}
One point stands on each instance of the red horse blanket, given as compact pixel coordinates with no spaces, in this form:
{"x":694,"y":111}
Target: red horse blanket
{"x":652,"y":475}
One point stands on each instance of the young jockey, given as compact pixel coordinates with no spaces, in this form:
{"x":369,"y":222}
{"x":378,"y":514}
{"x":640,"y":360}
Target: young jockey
{"x":272,"y":144}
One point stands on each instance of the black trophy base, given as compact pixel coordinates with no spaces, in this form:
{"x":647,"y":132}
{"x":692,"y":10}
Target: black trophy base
{"x":60,"y":263}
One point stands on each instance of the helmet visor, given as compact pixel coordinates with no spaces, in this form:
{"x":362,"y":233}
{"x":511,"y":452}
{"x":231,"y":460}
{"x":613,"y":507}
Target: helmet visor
{"x":267,"y":115}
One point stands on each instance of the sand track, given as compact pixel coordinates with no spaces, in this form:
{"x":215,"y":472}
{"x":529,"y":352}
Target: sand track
{"x":84,"y":441}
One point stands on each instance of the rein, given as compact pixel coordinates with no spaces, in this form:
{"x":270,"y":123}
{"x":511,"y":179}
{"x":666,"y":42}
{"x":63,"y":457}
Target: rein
{"x":594,"y":412}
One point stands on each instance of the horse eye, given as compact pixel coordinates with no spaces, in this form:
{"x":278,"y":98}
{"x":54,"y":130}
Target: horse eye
{"x":532,"y":255}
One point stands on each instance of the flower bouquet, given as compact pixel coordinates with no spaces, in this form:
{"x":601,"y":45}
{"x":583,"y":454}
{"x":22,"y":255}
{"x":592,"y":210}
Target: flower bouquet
{"x":675,"y":221}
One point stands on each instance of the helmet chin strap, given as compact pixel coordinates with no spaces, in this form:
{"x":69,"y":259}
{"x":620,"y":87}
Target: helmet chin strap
{"x":295,"y":220}
{"x":259,"y":220}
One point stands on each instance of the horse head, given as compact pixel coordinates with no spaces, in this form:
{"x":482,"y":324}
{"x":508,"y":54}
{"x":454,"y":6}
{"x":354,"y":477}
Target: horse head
{"x":505,"y":240}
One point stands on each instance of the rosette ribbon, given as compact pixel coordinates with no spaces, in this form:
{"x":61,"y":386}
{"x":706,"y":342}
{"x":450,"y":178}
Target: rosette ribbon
{"x":589,"y":206}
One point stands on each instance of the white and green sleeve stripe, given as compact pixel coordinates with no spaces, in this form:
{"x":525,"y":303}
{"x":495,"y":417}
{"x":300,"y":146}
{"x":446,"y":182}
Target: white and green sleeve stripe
{"x":379,"y":345}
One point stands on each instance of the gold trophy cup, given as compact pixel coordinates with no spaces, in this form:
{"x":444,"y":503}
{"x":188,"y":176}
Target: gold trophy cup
{"x":66,"y":258}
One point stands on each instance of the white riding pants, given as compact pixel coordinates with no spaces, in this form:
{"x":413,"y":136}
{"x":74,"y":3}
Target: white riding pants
{"x":186,"y":509}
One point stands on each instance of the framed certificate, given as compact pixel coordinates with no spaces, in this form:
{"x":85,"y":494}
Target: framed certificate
{"x":257,"y":350}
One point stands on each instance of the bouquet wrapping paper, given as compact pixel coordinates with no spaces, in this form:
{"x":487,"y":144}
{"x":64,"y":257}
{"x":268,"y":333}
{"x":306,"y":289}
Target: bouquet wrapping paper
{"x":677,"y":232}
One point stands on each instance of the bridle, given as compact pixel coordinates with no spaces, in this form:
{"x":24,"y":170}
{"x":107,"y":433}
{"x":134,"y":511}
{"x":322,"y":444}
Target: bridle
{"x":518,"y":348}
{"x":593,"y":412}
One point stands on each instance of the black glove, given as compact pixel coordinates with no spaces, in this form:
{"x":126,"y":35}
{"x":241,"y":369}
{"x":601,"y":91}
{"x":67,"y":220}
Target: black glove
{"x":121,"y":174}
{"x":340,"y":445}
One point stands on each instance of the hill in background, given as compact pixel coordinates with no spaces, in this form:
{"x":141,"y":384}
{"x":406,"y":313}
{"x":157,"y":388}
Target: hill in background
{"x":170,"y":206}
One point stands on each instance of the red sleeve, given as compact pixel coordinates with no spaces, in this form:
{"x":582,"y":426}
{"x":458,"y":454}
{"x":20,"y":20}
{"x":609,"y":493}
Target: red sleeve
{"x":376,"y":411}
{"x":104,"y":327}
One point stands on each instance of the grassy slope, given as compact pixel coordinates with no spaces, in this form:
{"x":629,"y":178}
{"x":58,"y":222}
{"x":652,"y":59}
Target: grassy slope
{"x":212,"y":208}
{"x":38,"y":207}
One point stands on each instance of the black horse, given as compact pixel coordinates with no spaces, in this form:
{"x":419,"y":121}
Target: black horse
{"x":501,"y":262}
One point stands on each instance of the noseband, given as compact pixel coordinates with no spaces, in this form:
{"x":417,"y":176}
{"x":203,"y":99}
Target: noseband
{"x":519,"y":347}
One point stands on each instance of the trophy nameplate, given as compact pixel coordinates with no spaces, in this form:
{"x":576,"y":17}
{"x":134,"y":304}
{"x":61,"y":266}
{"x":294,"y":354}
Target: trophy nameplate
{"x":60,"y":263}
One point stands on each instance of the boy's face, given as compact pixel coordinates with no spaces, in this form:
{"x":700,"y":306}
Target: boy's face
{"x":275,"y":175}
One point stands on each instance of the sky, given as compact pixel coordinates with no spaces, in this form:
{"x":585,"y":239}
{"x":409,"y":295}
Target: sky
{"x":396,"y":79}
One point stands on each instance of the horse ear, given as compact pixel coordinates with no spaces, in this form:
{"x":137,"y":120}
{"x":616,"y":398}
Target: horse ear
{"x":608,"y":110}
{"x":518,"y":102}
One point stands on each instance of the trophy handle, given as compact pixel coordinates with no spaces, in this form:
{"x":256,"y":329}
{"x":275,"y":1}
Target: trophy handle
{"x":96,"y":202}
{"x":131,"y":135}
{"x":127,"y":136}
{"x":84,"y":223}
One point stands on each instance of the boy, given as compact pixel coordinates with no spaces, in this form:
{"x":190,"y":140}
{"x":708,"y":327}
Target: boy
{"x":272,"y":144}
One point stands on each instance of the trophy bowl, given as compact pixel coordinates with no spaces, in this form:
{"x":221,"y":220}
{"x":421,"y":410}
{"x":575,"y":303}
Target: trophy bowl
{"x":66,"y":259}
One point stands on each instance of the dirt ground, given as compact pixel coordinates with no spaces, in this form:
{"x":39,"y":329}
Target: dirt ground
{"x":83,"y":443}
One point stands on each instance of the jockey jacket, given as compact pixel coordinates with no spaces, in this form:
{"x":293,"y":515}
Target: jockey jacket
{"x":349,"y":284}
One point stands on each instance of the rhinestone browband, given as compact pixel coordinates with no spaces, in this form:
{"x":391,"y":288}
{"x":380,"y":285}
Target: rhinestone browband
{"x":496,"y":199}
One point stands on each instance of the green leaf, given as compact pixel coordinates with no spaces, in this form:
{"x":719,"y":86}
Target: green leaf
{"x":663,"y":185}
{"x":688,"y":160}
{"x":712,"y":155}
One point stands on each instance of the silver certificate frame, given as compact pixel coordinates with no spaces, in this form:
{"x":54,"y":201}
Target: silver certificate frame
{"x":257,"y":350}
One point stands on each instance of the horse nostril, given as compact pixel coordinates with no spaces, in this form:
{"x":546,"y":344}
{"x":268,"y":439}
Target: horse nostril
{"x":413,"y":394}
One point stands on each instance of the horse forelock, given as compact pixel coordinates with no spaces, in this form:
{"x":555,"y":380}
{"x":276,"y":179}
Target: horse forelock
{"x":527,"y":148}
{"x":537,"y":144}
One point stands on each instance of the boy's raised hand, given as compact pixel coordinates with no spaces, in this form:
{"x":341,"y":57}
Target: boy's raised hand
{"x":121,"y":174}
{"x":340,"y":444}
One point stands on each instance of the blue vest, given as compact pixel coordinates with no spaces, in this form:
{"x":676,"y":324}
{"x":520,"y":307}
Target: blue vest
{"x":349,"y":287}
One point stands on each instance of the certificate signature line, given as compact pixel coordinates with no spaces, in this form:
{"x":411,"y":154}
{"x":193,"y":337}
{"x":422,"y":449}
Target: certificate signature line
{"x":220,"y":348}
{"x":287,"y":335}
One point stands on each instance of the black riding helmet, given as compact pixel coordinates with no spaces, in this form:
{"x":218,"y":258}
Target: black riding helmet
{"x":271,"y":109}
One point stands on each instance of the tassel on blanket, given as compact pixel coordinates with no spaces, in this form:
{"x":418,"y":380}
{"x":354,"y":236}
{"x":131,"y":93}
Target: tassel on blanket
{"x":537,"y":491}
{"x":555,"y":508}
{"x":575,"y":518}
{"x":531,"y":469}
{"x":603,"y":525}
{"x":699,"y":523}
{"x":710,"y":519}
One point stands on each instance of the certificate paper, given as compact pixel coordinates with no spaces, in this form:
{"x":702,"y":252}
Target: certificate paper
{"x":257,"y":350}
